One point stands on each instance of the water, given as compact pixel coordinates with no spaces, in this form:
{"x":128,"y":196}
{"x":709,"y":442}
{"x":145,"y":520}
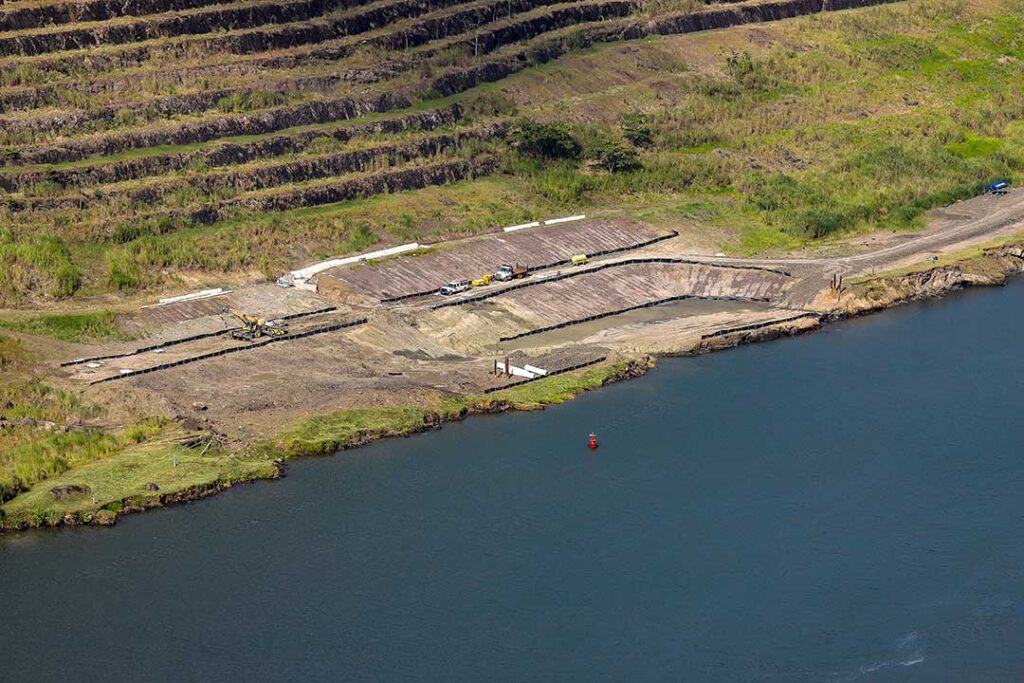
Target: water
{"x":846,"y":506}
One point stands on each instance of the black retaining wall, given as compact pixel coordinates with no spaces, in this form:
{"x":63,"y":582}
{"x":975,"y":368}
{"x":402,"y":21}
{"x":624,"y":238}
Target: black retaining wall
{"x":649,"y":304}
{"x":184,"y":340}
{"x":235,"y":349}
{"x":566,"y":276}
{"x":758,"y":326}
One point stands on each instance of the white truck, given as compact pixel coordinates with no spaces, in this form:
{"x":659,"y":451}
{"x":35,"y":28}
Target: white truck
{"x":454,"y":287}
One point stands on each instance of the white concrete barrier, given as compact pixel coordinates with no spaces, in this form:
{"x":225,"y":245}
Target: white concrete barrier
{"x":513,"y":228}
{"x":296,"y":277}
{"x":520,"y":372}
{"x":567,"y":219}
{"x":204,"y":294}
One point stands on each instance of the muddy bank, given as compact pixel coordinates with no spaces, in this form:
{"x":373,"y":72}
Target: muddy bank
{"x":992,"y":268}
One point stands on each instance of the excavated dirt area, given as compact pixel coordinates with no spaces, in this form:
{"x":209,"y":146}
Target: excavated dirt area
{"x":654,"y":299}
{"x":408,"y":351}
{"x":472,"y":258}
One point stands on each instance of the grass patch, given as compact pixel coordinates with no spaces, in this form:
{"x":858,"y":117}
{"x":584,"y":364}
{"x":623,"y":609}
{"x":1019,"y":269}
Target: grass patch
{"x":124,"y":476}
{"x":70,"y":327}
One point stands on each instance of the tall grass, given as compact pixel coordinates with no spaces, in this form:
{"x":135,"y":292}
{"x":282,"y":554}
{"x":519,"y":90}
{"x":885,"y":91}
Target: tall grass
{"x":73,"y":327}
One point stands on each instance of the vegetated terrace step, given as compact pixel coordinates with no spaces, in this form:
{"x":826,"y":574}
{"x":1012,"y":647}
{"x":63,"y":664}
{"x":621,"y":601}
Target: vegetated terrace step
{"x":267,"y":121}
{"x":224,"y":153}
{"x":251,"y":40}
{"x":262,"y":176}
{"x":452,"y":82}
{"x":460,"y":80}
{"x":165,"y":25}
{"x":17,"y":17}
{"x":437,"y":25}
{"x":421,"y":32}
{"x":318,"y":193}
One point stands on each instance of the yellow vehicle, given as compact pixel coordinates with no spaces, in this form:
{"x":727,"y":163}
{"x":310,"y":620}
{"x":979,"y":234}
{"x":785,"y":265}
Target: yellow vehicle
{"x":579,"y":259}
{"x":254,"y":328}
{"x":482,"y":280}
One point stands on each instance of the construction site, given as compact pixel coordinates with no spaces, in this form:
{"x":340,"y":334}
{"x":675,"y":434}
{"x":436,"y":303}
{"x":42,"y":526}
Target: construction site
{"x":378,"y":329}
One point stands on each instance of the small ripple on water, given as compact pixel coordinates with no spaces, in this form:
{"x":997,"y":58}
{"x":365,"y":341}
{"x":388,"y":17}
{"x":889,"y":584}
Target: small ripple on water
{"x":909,"y":651}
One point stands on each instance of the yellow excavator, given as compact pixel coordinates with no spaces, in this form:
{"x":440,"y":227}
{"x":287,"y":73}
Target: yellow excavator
{"x":254,"y":328}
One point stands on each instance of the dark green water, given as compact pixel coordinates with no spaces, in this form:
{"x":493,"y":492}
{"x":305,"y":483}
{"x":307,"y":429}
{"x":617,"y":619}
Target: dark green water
{"x":846,"y":506}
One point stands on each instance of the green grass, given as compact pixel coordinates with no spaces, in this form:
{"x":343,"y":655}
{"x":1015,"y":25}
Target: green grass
{"x":560,"y":388}
{"x":70,"y":327}
{"x":112,"y":480}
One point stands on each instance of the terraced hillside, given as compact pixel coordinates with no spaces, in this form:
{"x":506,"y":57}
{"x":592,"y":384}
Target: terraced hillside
{"x":124,"y":120}
{"x":142,"y":143}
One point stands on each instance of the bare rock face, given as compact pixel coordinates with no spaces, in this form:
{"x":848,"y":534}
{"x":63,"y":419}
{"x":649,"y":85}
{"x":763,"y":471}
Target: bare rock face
{"x":62,"y":492}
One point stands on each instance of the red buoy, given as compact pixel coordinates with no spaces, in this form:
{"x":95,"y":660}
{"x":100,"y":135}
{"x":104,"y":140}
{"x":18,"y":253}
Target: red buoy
{"x":593,"y":442}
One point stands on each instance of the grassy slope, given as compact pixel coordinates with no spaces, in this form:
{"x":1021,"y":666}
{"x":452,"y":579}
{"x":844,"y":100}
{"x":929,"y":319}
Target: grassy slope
{"x":838,"y":122}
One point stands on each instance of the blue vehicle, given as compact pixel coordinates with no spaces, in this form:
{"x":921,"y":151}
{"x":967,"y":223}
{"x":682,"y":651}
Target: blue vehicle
{"x":998,"y":186}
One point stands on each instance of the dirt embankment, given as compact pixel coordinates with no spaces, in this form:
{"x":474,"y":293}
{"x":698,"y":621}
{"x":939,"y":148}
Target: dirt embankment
{"x":992,"y":268}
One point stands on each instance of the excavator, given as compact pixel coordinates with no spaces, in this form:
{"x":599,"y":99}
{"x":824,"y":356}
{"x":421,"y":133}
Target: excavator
{"x":254,"y":328}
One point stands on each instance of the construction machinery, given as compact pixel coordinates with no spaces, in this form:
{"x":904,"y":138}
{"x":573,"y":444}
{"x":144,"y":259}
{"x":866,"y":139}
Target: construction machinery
{"x":254,"y":328}
{"x":482,"y":281}
{"x":508,"y":272}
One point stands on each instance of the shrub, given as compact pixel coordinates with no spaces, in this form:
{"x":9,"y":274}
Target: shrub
{"x":614,"y":156}
{"x":747,"y":72}
{"x":552,"y":140}
{"x":636,"y":127}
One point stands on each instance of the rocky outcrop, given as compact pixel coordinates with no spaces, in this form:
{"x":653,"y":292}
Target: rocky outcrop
{"x":62,"y":492}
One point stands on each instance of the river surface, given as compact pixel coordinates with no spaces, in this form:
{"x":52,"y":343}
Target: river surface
{"x":844,"y":506}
